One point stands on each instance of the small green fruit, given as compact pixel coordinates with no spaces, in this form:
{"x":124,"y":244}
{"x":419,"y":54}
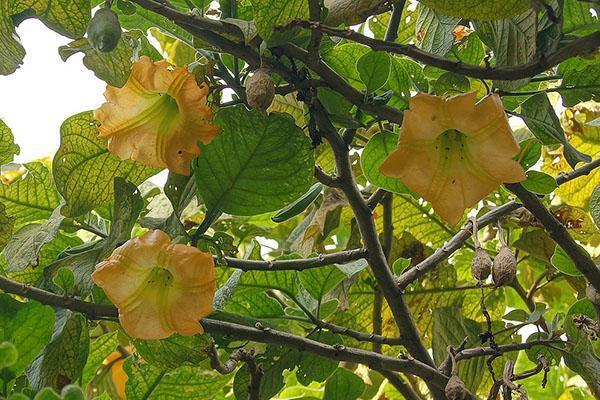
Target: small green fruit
{"x":104,"y":30}
{"x":8,"y":354}
{"x":72,"y":392}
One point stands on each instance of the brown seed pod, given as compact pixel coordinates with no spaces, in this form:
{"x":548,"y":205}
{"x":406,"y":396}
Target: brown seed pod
{"x":593,"y":295}
{"x":504,"y":269}
{"x":260,"y":90}
{"x":456,"y":389}
{"x":481,"y":264}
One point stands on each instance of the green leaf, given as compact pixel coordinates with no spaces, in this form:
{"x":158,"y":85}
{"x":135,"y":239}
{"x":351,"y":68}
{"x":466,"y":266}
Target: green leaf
{"x":374,"y":153}
{"x":149,"y":382}
{"x":313,"y":368}
{"x":552,"y":355}
{"x":374,"y":69}
{"x":478,"y":9}
{"x":320,"y":281}
{"x":8,"y":148}
{"x":594,"y":205}
{"x":284,"y":281}
{"x":449,"y":84}
{"x":67,"y":17}
{"x":578,"y":18}
{"x":562,"y":262}
{"x":24,"y":247}
{"x":32,"y":197}
{"x":257,"y":164}
{"x":539,"y":182}
{"x":6,"y":226}
{"x":529,"y":153}
{"x":449,"y":329}
{"x":127,"y":207}
{"x":581,"y":80}
{"x":513,"y":41}
{"x":343,"y":59}
{"x":299,"y":205}
{"x":113,"y":67}
{"x":64,"y":279}
{"x":269,"y":14}
{"x":84,"y":169}
{"x":254,"y":302}
{"x":100,"y":348}
{"x":541,"y":119}
{"x":28,"y":326}
{"x":63,"y":359}
{"x":11,"y":51}
{"x":174,"y":351}
{"x":274,"y":361}
{"x":343,"y":385}
{"x":435,"y":31}
{"x":8,"y":355}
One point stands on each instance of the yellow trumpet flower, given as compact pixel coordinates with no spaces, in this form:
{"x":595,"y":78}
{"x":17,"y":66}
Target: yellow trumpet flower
{"x":159,"y":288}
{"x":453,"y":152}
{"x":158,"y":117}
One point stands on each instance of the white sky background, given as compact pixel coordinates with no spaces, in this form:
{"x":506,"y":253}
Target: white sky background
{"x":39,"y":96}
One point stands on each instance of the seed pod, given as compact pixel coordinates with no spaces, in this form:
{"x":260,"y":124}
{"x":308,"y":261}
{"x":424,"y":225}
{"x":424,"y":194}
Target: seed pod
{"x":593,"y":295}
{"x":104,"y":30}
{"x":456,"y":389}
{"x":260,"y":90}
{"x":504,"y":269}
{"x":481,"y":264}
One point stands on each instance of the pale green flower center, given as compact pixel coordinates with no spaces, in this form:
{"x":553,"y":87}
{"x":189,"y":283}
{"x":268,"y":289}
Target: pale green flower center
{"x":160,"y":277}
{"x":452,"y":144}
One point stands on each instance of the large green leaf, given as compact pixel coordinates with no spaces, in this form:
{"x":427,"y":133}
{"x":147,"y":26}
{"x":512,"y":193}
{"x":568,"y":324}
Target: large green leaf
{"x":256,"y":165}
{"x":84,"y":169}
{"x":374,"y":69}
{"x":11,"y":51}
{"x":435,"y":31}
{"x":8,"y":148}
{"x":148,"y":382}
{"x":63,"y":359}
{"x":28,"y":326}
{"x":32,"y":197}
{"x":313,"y":368}
{"x":540,"y":117}
{"x":100,"y":348}
{"x":374,"y":153}
{"x":319,"y":281}
{"x":269,"y":14}
{"x":343,"y":59}
{"x":67,"y":17}
{"x":24,"y":247}
{"x":578,"y":17}
{"x":581,"y":80}
{"x":127,"y":208}
{"x":174,"y":351}
{"x":513,"y":41}
{"x":254,"y":302}
{"x":6,"y":226}
{"x":594,"y":205}
{"x":343,"y":385}
{"x":478,"y":9}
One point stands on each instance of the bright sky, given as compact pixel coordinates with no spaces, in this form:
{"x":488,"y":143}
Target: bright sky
{"x":45,"y":91}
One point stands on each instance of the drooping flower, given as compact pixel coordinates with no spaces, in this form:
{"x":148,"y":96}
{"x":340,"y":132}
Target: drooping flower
{"x":454,"y":152}
{"x":158,"y":117}
{"x":159,"y":288}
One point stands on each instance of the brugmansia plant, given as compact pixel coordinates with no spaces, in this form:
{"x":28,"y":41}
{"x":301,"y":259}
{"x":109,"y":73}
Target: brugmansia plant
{"x":365,"y":199}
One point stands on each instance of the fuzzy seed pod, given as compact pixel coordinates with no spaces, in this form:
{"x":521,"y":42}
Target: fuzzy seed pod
{"x":260,"y":90}
{"x":104,"y":30}
{"x":456,"y":389}
{"x":481,"y":264}
{"x":504,"y":269}
{"x":593,"y":295}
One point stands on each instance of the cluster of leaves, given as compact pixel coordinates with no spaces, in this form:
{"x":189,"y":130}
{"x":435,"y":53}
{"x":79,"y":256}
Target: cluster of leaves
{"x":60,"y":217}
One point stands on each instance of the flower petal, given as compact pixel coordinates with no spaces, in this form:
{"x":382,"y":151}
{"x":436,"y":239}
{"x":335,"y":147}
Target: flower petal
{"x":158,"y":117}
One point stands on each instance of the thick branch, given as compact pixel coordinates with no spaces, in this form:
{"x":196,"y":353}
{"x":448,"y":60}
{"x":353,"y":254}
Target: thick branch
{"x":580,"y":46}
{"x":558,"y":232}
{"x":298,"y":264}
{"x":376,"y":256}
